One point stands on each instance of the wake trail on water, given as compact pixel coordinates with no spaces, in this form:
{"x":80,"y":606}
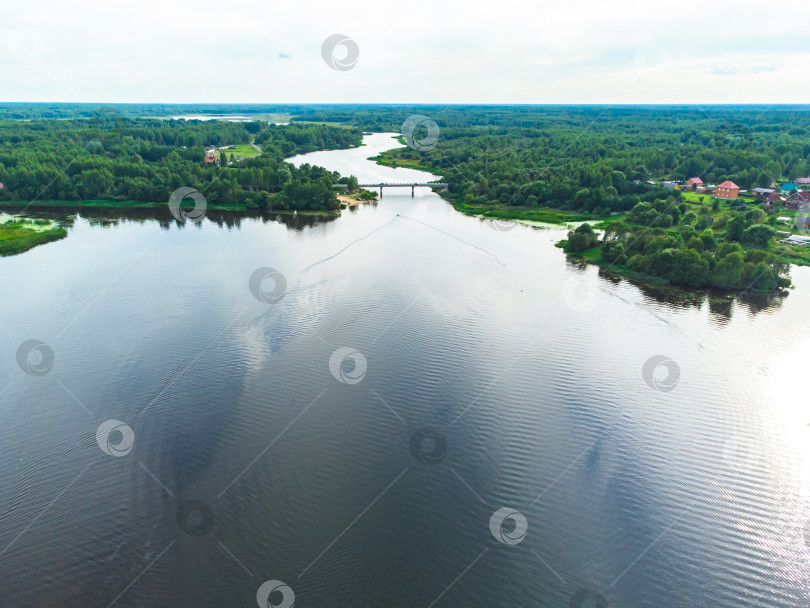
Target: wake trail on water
{"x":378,"y":228}
{"x":667,"y":322}
{"x":489,"y":253}
{"x":362,"y":238}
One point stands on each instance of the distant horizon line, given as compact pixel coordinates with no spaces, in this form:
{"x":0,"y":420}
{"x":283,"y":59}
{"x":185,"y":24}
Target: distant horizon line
{"x":403,"y":104}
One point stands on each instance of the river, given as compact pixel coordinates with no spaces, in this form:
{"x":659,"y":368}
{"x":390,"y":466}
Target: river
{"x":402,"y":407}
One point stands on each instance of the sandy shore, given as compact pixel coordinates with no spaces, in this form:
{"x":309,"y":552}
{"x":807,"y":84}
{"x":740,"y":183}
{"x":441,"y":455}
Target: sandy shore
{"x":349,"y":201}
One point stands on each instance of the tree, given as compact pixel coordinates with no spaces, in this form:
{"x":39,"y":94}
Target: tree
{"x":582,"y":238}
{"x":695,"y":243}
{"x":728,"y":270}
{"x":709,"y":242}
{"x":758,"y":234}
{"x":754,"y":216}
{"x":680,"y":266}
{"x":613,"y":253}
{"x":735,"y":227}
{"x":351,"y":183}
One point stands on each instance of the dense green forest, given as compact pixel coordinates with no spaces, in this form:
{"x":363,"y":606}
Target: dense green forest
{"x":117,"y":159}
{"x":515,"y":162}
{"x":733,"y":256}
{"x":579,"y":162}
{"x":587,"y":158}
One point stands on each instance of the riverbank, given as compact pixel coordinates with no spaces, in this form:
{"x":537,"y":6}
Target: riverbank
{"x":50,"y":205}
{"x":19,"y":235}
{"x":391,"y":158}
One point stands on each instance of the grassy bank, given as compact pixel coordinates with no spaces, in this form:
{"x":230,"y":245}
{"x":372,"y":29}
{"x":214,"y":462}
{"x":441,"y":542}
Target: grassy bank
{"x":546,"y":216}
{"x":17,"y":237}
{"x":389,"y":158}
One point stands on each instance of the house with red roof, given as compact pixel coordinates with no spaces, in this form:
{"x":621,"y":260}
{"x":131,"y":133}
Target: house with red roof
{"x":797,"y":199}
{"x":211,"y":158}
{"x":727,"y":190}
{"x":693,"y":183}
{"x":772,"y":198}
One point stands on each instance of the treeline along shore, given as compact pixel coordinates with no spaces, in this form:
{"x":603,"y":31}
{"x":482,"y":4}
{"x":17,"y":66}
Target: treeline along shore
{"x":554,"y":164}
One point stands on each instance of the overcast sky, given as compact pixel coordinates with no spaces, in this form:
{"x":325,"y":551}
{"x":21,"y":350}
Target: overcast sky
{"x":510,"y":51}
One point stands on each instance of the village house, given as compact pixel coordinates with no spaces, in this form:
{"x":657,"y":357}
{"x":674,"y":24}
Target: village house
{"x":798,"y":199}
{"x":693,"y":183}
{"x":788,"y":188}
{"x":727,"y":190}
{"x":763,"y":192}
{"x":802,"y":181}
{"x":211,"y":158}
{"x":772,"y":198}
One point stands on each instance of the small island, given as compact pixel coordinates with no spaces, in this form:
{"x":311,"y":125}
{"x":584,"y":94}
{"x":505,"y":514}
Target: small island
{"x":21,"y":234}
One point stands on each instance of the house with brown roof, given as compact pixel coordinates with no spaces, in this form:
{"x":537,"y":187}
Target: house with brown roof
{"x":798,"y":199}
{"x":727,"y":190}
{"x":772,"y":198}
{"x":693,"y":183}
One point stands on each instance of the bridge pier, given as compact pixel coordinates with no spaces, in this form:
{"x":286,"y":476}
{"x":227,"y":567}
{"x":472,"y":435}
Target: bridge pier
{"x":411,"y":185}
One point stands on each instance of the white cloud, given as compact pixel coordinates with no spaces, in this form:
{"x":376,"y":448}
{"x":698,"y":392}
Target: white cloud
{"x":513,"y":51}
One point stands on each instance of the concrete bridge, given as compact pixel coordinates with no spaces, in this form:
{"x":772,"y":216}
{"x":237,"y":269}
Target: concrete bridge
{"x":412,"y":186}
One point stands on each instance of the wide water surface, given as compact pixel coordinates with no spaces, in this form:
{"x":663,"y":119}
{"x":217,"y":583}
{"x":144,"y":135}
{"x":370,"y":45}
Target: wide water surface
{"x":480,"y":370}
